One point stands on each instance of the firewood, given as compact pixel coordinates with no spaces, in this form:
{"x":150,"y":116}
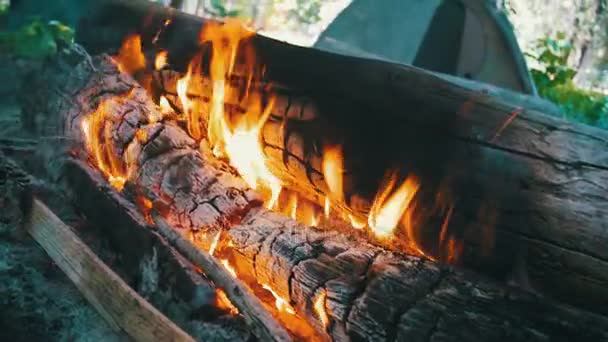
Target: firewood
{"x":195,"y":193}
{"x":115,"y":301}
{"x":544,"y":176}
{"x":169,"y":168}
{"x":369,"y":293}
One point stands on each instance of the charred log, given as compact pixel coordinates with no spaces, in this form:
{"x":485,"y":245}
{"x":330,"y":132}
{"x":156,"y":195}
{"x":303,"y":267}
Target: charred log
{"x":168,"y":169}
{"x":544,"y":167}
{"x":369,"y":293}
{"x":394,"y":295}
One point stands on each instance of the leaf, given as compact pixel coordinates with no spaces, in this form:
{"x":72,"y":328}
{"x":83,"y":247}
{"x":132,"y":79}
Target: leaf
{"x":61,"y":32}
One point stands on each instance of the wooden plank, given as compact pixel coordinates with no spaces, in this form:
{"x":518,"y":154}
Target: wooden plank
{"x":116,"y":302}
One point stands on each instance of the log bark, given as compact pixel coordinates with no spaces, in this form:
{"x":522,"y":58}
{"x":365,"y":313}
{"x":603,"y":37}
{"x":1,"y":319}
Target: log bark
{"x":184,"y":182}
{"x":166,"y":168}
{"x":373,"y":294}
{"x":550,"y":207}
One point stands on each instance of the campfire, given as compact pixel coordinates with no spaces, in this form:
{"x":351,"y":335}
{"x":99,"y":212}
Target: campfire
{"x":228,"y":108}
{"x":224,"y":104}
{"x":311,"y":217}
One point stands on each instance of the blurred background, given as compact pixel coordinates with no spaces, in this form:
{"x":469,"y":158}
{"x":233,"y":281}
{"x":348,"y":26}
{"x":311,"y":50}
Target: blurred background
{"x":555,"y":50}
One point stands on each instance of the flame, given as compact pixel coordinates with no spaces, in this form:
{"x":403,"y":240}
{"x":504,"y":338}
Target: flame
{"x":333,"y":169}
{"x":292,"y":206}
{"x":327,"y":207}
{"x":228,"y":267}
{"x":319,"y":306}
{"x":356,"y":222}
{"x":161,"y":60}
{"x":388,"y":209}
{"x":281,"y":304}
{"x":165,"y":107}
{"x":224,"y":303}
{"x":240,"y":142}
{"x":213,"y":245}
{"x":307,"y":213}
{"x":97,"y":130}
{"x":130,"y":57}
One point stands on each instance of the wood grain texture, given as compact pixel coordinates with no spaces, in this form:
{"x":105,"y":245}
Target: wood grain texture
{"x":120,"y":305}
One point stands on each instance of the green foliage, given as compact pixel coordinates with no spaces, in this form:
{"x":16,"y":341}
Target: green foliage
{"x":3,"y":8}
{"x":36,"y":39}
{"x":306,"y":11}
{"x":218,"y":9}
{"x":554,"y":82}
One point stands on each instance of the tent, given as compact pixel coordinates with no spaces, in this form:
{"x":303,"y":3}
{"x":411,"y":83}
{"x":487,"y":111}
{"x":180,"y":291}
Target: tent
{"x":471,"y":39}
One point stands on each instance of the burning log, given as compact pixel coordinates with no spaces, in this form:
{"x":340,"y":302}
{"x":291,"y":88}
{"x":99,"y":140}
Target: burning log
{"x":317,"y":274}
{"x":108,"y":105}
{"x":528,"y":185}
{"x":353,"y":290}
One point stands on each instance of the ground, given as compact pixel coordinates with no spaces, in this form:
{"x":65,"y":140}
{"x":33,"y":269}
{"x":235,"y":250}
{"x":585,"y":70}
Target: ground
{"x":37,"y":301}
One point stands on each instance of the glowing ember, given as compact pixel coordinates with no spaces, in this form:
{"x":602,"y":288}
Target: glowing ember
{"x":319,"y":306}
{"x":213,"y":246}
{"x":356,"y":222}
{"x":389,"y":205}
{"x":224,"y":303}
{"x":165,"y":108}
{"x":333,"y":169}
{"x":307,"y":213}
{"x":130,"y":57}
{"x":161,"y":60}
{"x":229,"y":268}
{"x":292,"y":206}
{"x":281,"y":304}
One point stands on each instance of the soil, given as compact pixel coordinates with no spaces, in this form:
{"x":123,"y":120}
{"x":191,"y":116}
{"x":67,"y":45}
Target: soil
{"x":37,"y":300}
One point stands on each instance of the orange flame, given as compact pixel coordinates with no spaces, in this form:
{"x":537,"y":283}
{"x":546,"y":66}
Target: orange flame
{"x":292,"y":206}
{"x":161,"y":60}
{"x":281,"y":304}
{"x":239,"y":142}
{"x":224,"y":303}
{"x":165,"y":108}
{"x":319,"y":306}
{"x":97,"y":129}
{"x":228,"y":267}
{"x":388,"y":209}
{"x":356,"y":222}
{"x":213,"y":245}
{"x":130,"y":57}
{"x":333,"y":169}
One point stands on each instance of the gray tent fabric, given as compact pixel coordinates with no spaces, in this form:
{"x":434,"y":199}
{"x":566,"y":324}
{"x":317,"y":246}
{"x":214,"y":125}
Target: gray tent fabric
{"x":466,"y":38}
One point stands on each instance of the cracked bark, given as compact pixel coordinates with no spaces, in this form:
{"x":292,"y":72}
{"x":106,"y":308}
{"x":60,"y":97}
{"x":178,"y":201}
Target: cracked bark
{"x":298,"y":261}
{"x":544,"y":175}
{"x":374,"y":294}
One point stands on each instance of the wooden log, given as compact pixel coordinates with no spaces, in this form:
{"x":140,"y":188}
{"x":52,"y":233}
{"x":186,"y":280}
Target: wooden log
{"x":170,"y":171}
{"x":146,"y":260}
{"x":85,"y":182}
{"x":115,"y":301}
{"x":167,"y":166}
{"x":550,"y":209}
{"x":367,"y":293}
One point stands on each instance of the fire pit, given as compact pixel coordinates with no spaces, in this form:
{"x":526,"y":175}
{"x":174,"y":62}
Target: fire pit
{"x":325,"y":197}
